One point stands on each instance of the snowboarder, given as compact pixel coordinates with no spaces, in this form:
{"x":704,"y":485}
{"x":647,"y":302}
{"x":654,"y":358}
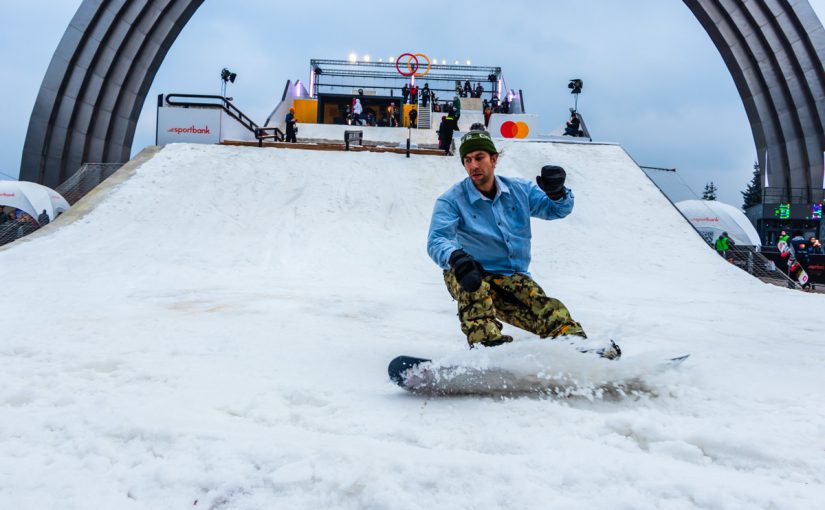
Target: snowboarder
{"x":480,"y":236}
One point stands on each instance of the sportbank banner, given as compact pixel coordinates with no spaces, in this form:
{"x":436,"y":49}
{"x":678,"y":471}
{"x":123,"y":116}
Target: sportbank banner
{"x":520,"y":126}
{"x":188,"y":125}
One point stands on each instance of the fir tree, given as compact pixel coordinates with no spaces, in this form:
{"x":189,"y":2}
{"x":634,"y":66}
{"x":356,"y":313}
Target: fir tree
{"x":753,"y":194}
{"x":710,"y":191}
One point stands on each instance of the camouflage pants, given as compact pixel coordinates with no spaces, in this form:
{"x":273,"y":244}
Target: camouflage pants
{"x":516,"y":300}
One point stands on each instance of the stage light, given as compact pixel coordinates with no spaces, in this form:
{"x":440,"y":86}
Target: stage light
{"x":227,"y":75}
{"x":380,"y":59}
{"x":392,"y":60}
{"x":444,"y":62}
{"x":366,"y":58}
{"x":575,"y":86}
{"x":468,"y":62}
{"x":456,"y":62}
{"x":353,"y":57}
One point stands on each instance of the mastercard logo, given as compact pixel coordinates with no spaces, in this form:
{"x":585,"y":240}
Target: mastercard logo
{"x":512,"y":129}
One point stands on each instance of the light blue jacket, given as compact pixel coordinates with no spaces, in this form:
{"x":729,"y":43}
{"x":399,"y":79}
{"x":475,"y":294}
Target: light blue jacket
{"x":495,"y":232}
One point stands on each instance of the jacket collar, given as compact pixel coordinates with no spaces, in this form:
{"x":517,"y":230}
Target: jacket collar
{"x":474,"y":195}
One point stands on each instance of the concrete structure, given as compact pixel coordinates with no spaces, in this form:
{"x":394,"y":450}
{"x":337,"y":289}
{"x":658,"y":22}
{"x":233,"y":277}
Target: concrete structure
{"x":90,"y":99}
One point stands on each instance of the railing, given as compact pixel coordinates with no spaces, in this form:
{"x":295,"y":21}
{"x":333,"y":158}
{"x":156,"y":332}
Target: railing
{"x":778,"y":195}
{"x":85,"y":180}
{"x":753,"y":262}
{"x":203,"y":101}
{"x":267,"y":132}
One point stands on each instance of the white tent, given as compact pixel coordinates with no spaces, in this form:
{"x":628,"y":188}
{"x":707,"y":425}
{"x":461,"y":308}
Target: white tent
{"x":32,"y":198}
{"x":711,"y":218}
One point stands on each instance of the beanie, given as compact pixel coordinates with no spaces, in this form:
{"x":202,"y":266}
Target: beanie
{"x":476,"y":141}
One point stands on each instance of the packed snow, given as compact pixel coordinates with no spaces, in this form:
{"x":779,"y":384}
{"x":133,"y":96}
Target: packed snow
{"x":215,"y":334}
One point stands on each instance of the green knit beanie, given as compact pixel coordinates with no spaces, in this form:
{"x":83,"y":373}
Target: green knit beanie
{"x":476,"y":141}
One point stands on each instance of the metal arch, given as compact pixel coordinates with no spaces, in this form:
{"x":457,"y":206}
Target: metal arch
{"x":90,"y":99}
{"x":775,"y":50}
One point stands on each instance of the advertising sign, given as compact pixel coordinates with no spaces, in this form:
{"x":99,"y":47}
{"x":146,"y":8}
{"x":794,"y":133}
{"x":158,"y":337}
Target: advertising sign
{"x":188,"y":125}
{"x":520,"y":127}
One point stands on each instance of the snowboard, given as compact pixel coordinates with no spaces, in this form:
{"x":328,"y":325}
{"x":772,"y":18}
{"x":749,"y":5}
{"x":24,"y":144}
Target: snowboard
{"x":423,"y":376}
{"x":795,"y":269}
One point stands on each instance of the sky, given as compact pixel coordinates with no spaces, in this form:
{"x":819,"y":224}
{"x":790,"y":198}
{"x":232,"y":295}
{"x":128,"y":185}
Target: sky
{"x":653,"y":81}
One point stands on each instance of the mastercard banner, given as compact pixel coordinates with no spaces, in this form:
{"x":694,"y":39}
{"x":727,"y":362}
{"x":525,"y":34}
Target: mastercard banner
{"x":519,"y":127}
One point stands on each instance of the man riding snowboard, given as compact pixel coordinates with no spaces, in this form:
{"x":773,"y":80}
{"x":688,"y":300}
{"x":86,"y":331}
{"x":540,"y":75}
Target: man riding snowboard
{"x":480,"y":236}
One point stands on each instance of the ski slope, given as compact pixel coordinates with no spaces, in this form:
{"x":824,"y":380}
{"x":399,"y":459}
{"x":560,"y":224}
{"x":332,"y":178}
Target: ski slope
{"x":215,"y":334}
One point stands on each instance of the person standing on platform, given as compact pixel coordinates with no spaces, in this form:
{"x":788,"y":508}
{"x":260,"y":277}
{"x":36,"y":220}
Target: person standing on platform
{"x":291,"y":126}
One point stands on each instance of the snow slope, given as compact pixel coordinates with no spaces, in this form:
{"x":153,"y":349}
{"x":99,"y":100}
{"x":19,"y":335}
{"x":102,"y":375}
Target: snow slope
{"x":215,"y":334}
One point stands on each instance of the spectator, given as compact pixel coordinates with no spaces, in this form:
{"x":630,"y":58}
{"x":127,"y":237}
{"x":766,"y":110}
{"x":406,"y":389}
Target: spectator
{"x":468,"y":89}
{"x":405,"y":93}
{"x":456,"y":108}
{"x":479,"y":90}
{"x":413,"y":117}
{"x":43,"y":218}
{"x":25,"y":226}
{"x":8,"y":232}
{"x":572,"y":127}
{"x":494,"y":103}
{"x":487,"y":113}
{"x":414,"y":94}
{"x":291,"y":126}
{"x":723,"y":244}
{"x":459,"y":91}
{"x":814,"y":246}
{"x":448,"y":125}
{"x":426,"y":95}
{"x":391,"y":119}
{"x":357,"y":111}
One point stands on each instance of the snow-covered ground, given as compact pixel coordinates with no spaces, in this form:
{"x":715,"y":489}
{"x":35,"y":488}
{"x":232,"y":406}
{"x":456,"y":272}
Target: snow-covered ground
{"x":215,"y":334}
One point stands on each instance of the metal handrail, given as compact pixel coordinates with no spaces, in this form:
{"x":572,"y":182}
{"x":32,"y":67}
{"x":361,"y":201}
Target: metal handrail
{"x":225,"y":104}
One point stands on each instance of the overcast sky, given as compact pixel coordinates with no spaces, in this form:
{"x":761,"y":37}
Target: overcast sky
{"x":653,"y":81}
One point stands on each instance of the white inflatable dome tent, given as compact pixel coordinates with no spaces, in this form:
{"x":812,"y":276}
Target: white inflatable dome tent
{"x":711,"y":218}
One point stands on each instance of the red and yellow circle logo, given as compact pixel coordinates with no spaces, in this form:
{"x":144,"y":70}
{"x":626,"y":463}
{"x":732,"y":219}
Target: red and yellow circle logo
{"x":512,"y":129}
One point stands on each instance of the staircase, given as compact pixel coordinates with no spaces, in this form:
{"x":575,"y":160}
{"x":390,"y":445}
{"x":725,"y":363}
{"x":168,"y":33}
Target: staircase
{"x":753,"y":262}
{"x":424,"y":114}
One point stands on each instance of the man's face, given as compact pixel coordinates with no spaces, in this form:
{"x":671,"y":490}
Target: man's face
{"x":480,"y":166}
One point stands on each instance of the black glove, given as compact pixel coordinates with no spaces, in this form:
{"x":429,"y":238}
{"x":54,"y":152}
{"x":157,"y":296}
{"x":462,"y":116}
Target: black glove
{"x":467,"y":270}
{"x":551,"y":181}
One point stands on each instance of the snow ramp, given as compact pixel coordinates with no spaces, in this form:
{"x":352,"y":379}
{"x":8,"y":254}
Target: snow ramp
{"x":215,"y":331}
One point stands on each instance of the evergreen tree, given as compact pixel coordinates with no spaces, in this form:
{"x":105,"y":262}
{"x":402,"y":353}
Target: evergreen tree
{"x":710,"y":191}
{"x":753,"y":194}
